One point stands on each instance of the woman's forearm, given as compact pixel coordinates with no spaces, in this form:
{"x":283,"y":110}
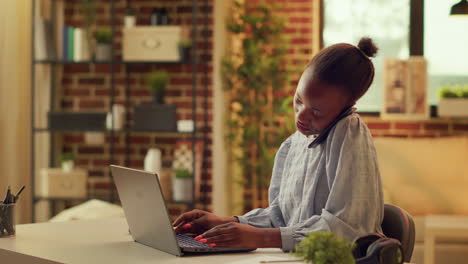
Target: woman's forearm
{"x":269,"y":238}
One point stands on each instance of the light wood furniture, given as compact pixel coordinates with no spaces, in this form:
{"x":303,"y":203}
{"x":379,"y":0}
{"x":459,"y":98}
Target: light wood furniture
{"x":439,"y":227}
{"x":103,"y":241}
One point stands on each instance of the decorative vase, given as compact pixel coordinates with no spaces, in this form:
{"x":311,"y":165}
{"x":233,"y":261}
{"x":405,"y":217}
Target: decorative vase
{"x":153,"y":162}
{"x":158,"y":97}
{"x":103,"y":52}
{"x":115,"y":119}
{"x":129,"y":21}
{"x":182,"y":189}
{"x":68,"y":166}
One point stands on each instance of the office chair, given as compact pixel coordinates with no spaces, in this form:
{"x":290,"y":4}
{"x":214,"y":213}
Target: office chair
{"x":399,"y":224}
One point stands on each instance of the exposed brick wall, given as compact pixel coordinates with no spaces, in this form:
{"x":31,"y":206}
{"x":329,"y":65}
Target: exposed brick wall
{"x":298,"y":31}
{"x":87,"y":87}
{"x":418,"y":128}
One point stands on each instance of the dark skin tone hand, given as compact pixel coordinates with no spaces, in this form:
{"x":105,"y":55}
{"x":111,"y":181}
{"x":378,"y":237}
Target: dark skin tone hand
{"x":198,"y":221}
{"x":236,"y":235}
{"x":226,"y":231}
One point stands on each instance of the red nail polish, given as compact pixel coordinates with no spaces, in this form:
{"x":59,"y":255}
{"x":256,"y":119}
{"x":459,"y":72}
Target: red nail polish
{"x":187,"y":226}
{"x":198,"y":237}
{"x":212,"y":245}
{"x":203,"y":240}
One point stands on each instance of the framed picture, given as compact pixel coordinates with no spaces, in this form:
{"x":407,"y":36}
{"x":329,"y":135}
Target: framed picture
{"x":405,"y":89}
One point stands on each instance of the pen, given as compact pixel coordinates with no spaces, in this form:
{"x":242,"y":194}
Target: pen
{"x":281,"y":261}
{"x":15,"y":197}
{"x":7,"y":197}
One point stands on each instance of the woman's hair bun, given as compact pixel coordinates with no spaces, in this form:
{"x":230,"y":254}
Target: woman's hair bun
{"x":367,"y":46}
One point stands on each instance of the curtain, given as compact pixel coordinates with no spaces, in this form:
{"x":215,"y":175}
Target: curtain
{"x":15,"y":39}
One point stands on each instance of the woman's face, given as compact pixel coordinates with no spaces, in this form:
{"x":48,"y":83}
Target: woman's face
{"x":316,"y":104}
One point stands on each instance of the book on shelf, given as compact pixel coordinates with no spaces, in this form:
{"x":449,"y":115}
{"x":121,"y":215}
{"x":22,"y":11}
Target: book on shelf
{"x":59,"y":24}
{"x":44,"y":45}
{"x":65,"y":43}
{"x":71,"y":43}
{"x":39,"y":35}
{"x":74,"y":44}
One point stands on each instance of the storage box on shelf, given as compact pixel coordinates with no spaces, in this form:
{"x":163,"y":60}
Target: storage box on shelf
{"x":151,"y":43}
{"x":57,"y":183}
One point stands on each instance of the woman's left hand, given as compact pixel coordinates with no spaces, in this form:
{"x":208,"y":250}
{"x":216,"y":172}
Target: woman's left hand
{"x":236,"y":235}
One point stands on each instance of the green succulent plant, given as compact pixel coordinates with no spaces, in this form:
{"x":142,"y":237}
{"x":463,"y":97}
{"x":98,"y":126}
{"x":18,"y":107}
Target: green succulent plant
{"x":183,"y":174}
{"x":66,"y":156}
{"x":103,"y":36}
{"x":186,"y":43}
{"x":157,"y":80}
{"x":325,"y":248}
{"x":455,"y":91}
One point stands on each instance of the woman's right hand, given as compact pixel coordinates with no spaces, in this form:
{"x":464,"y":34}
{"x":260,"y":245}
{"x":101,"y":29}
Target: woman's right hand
{"x":198,"y":221}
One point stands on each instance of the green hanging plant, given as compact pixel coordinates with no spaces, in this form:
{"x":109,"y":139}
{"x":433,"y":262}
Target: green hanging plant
{"x":89,"y":11}
{"x":256,"y":78}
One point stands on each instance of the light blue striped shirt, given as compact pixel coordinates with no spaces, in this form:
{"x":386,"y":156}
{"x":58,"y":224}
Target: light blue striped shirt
{"x":334,"y":186}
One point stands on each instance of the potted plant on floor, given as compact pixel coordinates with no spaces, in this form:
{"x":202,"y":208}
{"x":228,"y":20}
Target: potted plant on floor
{"x":103,"y":44}
{"x":184,"y":49}
{"x":453,"y":101}
{"x":182,"y":185}
{"x":158,"y":81}
{"x":67,"y":161}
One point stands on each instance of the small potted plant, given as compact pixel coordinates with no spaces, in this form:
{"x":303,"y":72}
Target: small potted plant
{"x":453,"y":101}
{"x":67,"y":161}
{"x":325,"y":248}
{"x":103,"y":44}
{"x":182,"y":185}
{"x":157,"y":81}
{"x":184,"y":49}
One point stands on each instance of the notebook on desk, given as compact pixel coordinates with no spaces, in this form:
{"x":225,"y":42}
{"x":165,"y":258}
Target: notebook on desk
{"x":147,"y":217}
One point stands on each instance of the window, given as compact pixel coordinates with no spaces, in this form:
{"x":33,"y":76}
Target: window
{"x":395,"y":27}
{"x":445,"y":46}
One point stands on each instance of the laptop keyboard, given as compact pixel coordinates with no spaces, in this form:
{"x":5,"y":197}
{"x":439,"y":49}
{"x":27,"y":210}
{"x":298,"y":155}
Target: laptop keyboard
{"x":188,"y":242}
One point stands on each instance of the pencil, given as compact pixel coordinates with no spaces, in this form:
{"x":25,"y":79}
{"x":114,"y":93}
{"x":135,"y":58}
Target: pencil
{"x":281,"y":261}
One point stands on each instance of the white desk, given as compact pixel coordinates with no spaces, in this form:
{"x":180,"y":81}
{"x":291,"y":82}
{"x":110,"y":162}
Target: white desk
{"x":103,"y":241}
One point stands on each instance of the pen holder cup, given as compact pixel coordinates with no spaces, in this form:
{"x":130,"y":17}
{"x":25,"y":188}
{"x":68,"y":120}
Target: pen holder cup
{"x":7,"y":221}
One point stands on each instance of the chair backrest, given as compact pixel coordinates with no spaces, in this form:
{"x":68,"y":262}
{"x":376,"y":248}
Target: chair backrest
{"x":399,"y":224}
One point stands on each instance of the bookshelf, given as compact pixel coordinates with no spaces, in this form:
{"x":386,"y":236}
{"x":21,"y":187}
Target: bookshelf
{"x":55,"y":65}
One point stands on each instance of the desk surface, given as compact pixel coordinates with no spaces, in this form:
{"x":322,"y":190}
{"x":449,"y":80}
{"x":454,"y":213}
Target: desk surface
{"x":103,"y":241}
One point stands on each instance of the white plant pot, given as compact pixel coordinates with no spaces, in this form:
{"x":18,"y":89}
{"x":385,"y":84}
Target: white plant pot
{"x":182,"y":189}
{"x":103,"y":52}
{"x":453,"y":107}
{"x":129,"y":21}
{"x":68,"y":166}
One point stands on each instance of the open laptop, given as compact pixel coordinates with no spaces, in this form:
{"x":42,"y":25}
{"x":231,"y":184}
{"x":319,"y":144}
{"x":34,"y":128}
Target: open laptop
{"x":147,"y":217}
